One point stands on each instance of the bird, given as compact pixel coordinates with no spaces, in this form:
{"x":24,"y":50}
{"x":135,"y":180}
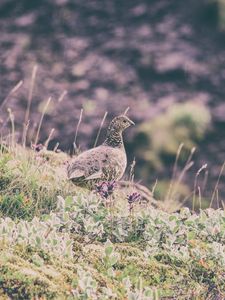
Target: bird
{"x":106,"y":162}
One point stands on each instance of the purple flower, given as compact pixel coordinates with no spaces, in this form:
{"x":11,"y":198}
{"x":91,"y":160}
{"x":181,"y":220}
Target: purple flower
{"x":105,"y":188}
{"x":134,"y":197}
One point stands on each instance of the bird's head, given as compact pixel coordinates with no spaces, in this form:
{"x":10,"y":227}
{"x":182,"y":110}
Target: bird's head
{"x":120,"y":123}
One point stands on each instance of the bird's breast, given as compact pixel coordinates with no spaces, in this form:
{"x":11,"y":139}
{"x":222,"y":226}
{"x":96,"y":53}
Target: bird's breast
{"x":114,"y":160}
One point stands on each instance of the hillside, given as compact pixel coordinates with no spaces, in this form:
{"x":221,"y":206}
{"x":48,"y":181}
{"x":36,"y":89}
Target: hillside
{"x":107,"y":56}
{"x":60,"y":242}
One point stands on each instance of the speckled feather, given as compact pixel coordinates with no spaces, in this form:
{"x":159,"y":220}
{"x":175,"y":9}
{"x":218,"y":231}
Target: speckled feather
{"x":105,"y":162}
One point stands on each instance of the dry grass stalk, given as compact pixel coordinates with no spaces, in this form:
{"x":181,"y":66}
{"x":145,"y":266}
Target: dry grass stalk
{"x":12,"y":120}
{"x":56,"y":147}
{"x":174,"y":171}
{"x":13,"y":90}
{"x":217,"y":184}
{"x":30,"y":95}
{"x":41,"y":120}
{"x":100,"y":128}
{"x":62,"y":96}
{"x":126,"y":110}
{"x":132,"y":167}
{"x":49,"y":137}
{"x":77,"y":128}
{"x":27,"y":113}
{"x":146,"y":194}
{"x":174,"y":187}
{"x":154,"y":187}
{"x":195,"y":184}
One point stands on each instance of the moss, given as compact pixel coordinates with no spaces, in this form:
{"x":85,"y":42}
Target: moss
{"x":27,"y":251}
{"x":132,"y":263}
{"x":21,"y":278}
{"x":24,"y":283}
{"x":152,"y":272}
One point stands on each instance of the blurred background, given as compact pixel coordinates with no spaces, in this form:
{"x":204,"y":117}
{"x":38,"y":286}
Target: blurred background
{"x":164,"y":59}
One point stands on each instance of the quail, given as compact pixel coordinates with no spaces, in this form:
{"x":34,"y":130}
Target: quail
{"x":103,"y":163}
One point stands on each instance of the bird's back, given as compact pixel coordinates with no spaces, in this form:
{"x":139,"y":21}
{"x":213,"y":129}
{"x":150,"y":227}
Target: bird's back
{"x":100,"y":163}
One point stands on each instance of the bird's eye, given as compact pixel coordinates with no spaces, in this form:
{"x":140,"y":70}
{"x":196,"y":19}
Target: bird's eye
{"x":124,"y":121}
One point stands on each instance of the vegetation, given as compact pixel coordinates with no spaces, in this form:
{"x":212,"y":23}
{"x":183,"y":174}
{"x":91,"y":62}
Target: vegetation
{"x":158,"y":140}
{"x":58,"y":242}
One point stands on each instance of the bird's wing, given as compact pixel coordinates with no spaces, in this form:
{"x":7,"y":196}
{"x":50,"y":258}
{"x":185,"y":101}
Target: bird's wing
{"x":95,"y":175}
{"x":86,"y":165}
{"x":76,"y":174}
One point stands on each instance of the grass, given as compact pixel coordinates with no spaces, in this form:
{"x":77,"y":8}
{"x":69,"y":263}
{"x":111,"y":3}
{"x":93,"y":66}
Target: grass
{"x":30,"y":181}
{"x":61,"y":242}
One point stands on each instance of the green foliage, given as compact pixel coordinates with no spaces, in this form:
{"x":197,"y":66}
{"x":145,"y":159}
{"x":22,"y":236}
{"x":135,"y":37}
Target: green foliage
{"x":86,"y":249}
{"x":221,"y":13}
{"x":160,"y":138}
{"x":16,"y":206}
{"x":39,"y":234}
{"x":30,"y":181}
{"x":149,"y":253}
{"x":162,"y":187}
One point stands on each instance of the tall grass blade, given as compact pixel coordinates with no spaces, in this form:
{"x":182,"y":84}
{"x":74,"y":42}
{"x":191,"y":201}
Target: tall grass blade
{"x":174,"y":172}
{"x":77,"y":128}
{"x":217,"y":185}
{"x":41,"y":120}
{"x":100,"y":128}
{"x":49,"y":137}
{"x":30,"y":95}
{"x":13,"y":90}
{"x":27,"y":113}
{"x":126,"y":111}
{"x":62,"y":96}
{"x":195,"y":184}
